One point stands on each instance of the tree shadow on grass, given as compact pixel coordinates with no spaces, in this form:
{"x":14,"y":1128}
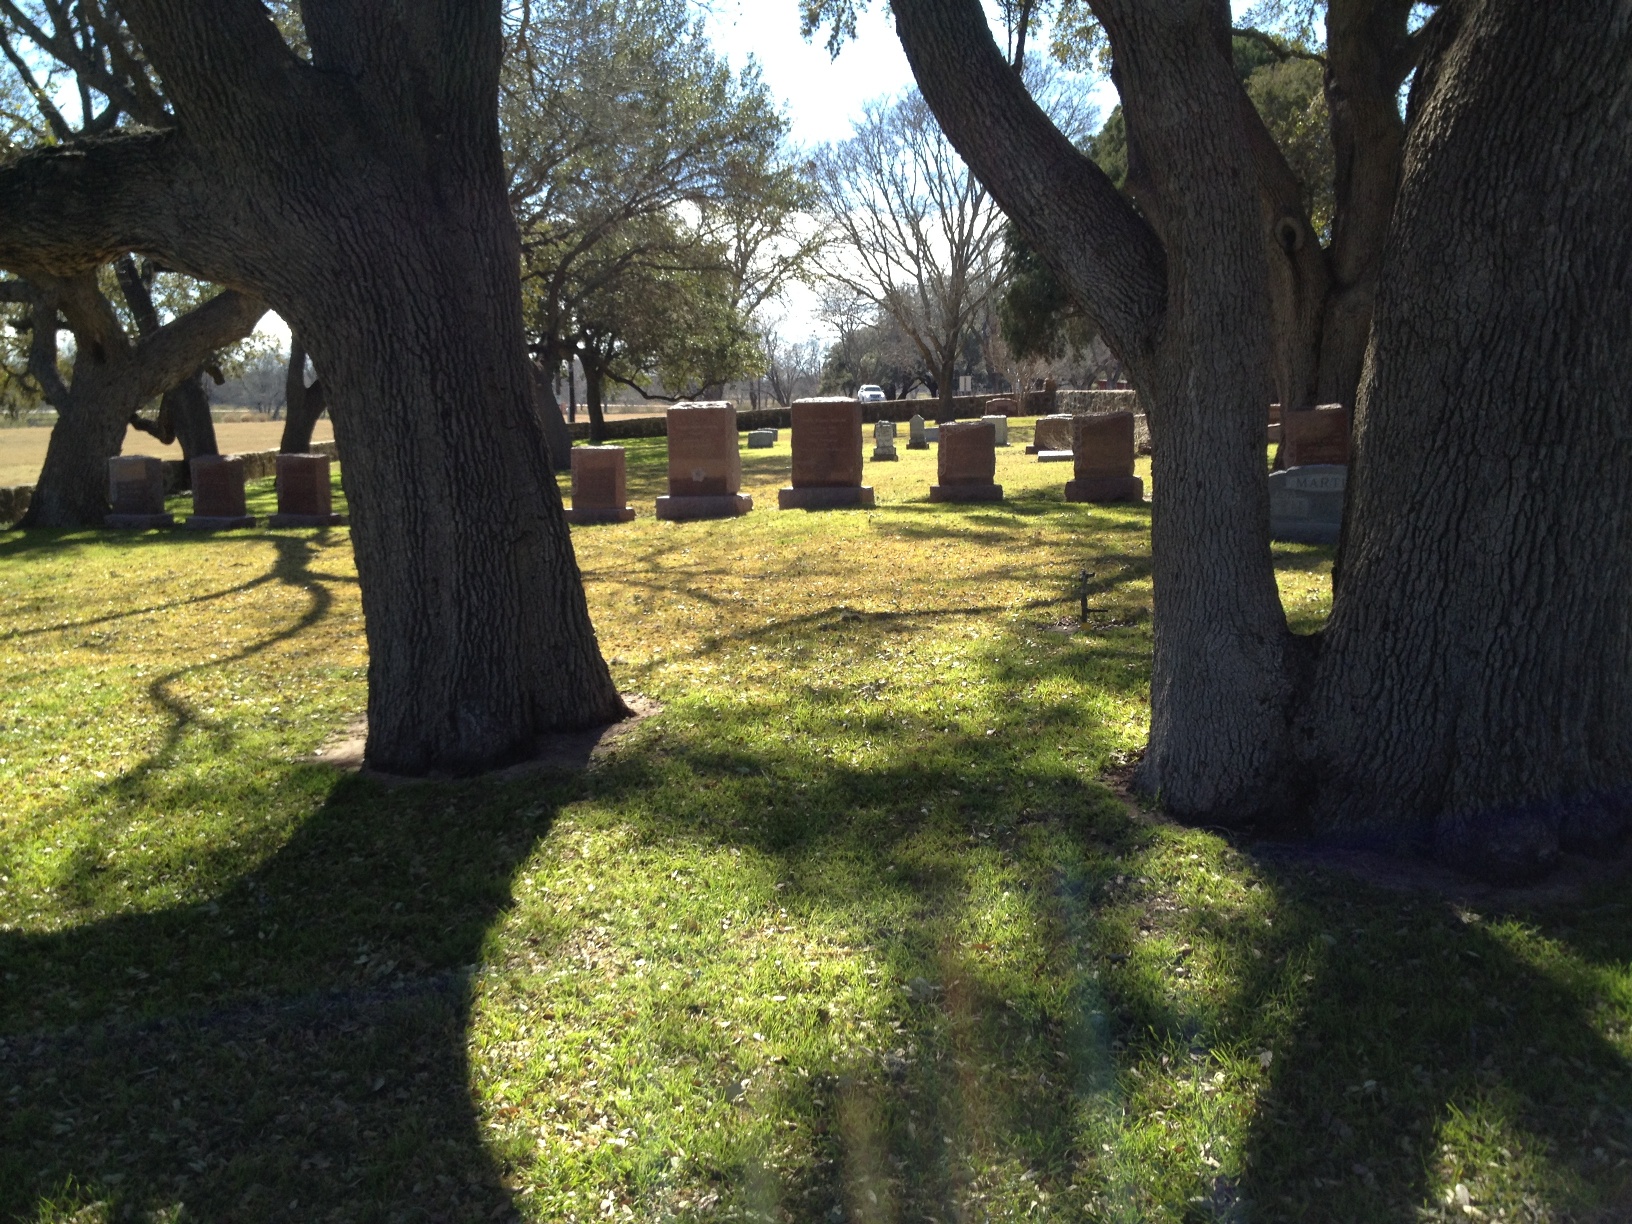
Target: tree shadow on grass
{"x":293,"y":1048}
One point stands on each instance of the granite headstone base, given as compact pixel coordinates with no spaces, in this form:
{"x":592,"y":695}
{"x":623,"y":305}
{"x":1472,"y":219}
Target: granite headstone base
{"x":834,"y":498}
{"x":965,"y":492}
{"x":681,"y":509}
{"x":138,"y":522}
{"x":1306,"y":503}
{"x":608,"y":514}
{"x":883,"y":454}
{"x":1105,"y":489}
{"x":217,"y":522}
{"x":1055,"y":456}
{"x":918,"y":443}
{"x":306,"y":520}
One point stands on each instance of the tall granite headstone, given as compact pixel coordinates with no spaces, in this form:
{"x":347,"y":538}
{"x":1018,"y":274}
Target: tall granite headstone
{"x":826,"y":457}
{"x":1102,"y":447}
{"x":218,"y":494}
{"x":599,"y":486}
{"x":1315,"y":436}
{"x":305,"y":495}
{"x":705,"y":465}
{"x":967,"y":463}
{"x":136,"y":492}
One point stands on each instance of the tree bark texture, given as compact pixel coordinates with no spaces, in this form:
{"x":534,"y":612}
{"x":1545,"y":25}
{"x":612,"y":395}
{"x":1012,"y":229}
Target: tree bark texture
{"x":111,"y":378}
{"x":1368,"y":56}
{"x":363,"y":194}
{"x":1475,"y":684}
{"x":1181,"y":289}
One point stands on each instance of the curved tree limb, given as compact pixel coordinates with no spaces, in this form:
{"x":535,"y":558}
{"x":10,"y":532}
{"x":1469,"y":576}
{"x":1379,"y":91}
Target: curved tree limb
{"x":178,"y":348}
{"x":70,"y":208}
{"x":1063,"y":203}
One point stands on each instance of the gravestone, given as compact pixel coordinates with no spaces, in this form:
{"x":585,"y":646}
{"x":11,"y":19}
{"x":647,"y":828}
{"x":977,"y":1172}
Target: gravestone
{"x":1274,"y":435}
{"x":761,"y":439}
{"x":598,"y":486}
{"x":218,"y":494}
{"x":1306,"y":503}
{"x":826,"y":457}
{"x":967,"y":464}
{"x":1315,"y":436}
{"x":1052,"y":438}
{"x":932,"y":433}
{"x":1000,"y":426}
{"x":305,"y":496}
{"x":884,"y":441}
{"x":136,"y":492}
{"x":916,"y":439}
{"x":1102,"y":448}
{"x":705,"y":465}
{"x":1003,"y":405}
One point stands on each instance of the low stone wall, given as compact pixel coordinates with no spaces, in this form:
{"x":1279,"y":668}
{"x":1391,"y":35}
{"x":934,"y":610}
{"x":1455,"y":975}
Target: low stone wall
{"x":14,"y":503}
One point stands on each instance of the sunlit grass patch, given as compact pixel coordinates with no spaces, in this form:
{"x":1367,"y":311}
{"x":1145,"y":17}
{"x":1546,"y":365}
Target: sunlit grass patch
{"x":854,"y":929}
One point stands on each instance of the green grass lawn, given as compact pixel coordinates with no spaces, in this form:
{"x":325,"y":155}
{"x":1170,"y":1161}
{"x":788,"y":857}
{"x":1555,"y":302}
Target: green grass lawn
{"x":854,"y":929}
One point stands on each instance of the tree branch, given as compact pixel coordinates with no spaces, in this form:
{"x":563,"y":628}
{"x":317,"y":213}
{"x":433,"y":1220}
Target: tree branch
{"x":69,"y":208}
{"x":1062,"y":202}
{"x":1277,"y":47}
{"x":178,"y":348}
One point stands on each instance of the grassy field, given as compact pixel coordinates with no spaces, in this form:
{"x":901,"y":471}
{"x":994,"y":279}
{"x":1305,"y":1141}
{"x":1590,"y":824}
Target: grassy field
{"x":22,"y":449}
{"x":853,"y":930}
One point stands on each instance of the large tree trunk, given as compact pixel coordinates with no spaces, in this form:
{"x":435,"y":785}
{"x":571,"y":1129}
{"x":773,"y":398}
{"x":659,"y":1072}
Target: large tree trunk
{"x":186,"y":407}
{"x":1181,"y":291}
{"x":1368,"y":55}
{"x":594,"y":388}
{"x":111,"y":379}
{"x":945,"y":410}
{"x":1475,"y":684}
{"x":1219,"y":688}
{"x":303,"y":404}
{"x":556,"y":434}
{"x":363,"y":194}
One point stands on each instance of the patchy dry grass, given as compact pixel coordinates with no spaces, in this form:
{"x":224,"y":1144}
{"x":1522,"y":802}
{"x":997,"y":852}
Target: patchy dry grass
{"x":851,"y":931}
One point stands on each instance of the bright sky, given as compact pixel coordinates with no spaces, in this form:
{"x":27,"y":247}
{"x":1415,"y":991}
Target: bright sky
{"x":824,"y":96}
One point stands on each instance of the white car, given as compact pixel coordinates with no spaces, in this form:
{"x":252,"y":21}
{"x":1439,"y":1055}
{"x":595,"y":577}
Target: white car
{"x":870,"y":394}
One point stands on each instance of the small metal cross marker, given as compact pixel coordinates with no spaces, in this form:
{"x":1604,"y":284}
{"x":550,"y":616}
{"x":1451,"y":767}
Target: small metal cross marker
{"x":1083,"y":578}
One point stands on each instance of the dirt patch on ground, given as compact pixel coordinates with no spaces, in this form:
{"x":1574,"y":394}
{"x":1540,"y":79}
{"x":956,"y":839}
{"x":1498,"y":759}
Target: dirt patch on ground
{"x":567,"y":751}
